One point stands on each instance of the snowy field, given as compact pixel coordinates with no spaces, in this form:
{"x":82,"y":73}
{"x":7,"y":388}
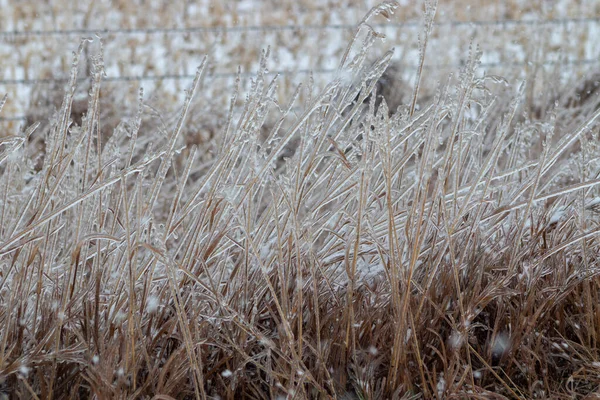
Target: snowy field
{"x":158,"y":45}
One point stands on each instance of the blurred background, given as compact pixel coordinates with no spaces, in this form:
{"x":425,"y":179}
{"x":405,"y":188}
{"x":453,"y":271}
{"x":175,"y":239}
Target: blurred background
{"x":158,"y":45}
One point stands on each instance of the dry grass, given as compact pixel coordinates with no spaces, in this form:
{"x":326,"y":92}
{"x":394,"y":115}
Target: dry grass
{"x":444,"y":249}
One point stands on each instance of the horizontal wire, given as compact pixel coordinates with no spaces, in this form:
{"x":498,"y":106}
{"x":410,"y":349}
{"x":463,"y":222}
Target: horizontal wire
{"x":225,"y":75}
{"x":15,"y":118}
{"x":279,"y":28}
{"x":166,"y":77}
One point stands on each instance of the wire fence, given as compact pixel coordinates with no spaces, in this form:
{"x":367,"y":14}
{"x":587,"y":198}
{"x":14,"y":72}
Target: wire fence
{"x":304,"y":27}
{"x":36,"y":34}
{"x":246,"y":75}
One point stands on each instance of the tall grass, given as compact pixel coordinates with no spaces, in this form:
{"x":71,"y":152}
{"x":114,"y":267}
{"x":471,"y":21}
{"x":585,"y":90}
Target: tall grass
{"x":444,"y":249}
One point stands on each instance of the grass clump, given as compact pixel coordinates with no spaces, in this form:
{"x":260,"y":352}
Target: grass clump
{"x":438,"y":250}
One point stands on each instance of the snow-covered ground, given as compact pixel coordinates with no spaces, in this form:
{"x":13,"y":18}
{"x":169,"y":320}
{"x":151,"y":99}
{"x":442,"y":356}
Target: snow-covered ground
{"x":159,"y":44}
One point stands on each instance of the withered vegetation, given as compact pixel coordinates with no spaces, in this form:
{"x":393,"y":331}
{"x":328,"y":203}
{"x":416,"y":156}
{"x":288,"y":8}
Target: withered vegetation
{"x":445,"y":247}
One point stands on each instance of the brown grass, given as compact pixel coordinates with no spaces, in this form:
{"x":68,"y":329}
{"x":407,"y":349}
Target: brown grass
{"x":443,"y":249}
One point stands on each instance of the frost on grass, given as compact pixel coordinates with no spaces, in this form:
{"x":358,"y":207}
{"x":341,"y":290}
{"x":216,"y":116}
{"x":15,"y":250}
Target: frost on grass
{"x":226,"y":374}
{"x":152,"y":304}
{"x":329,"y":245}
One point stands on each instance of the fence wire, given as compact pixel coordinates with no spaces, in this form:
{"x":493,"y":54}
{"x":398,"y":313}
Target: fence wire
{"x":246,"y":75}
{"x":280,"y":28}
